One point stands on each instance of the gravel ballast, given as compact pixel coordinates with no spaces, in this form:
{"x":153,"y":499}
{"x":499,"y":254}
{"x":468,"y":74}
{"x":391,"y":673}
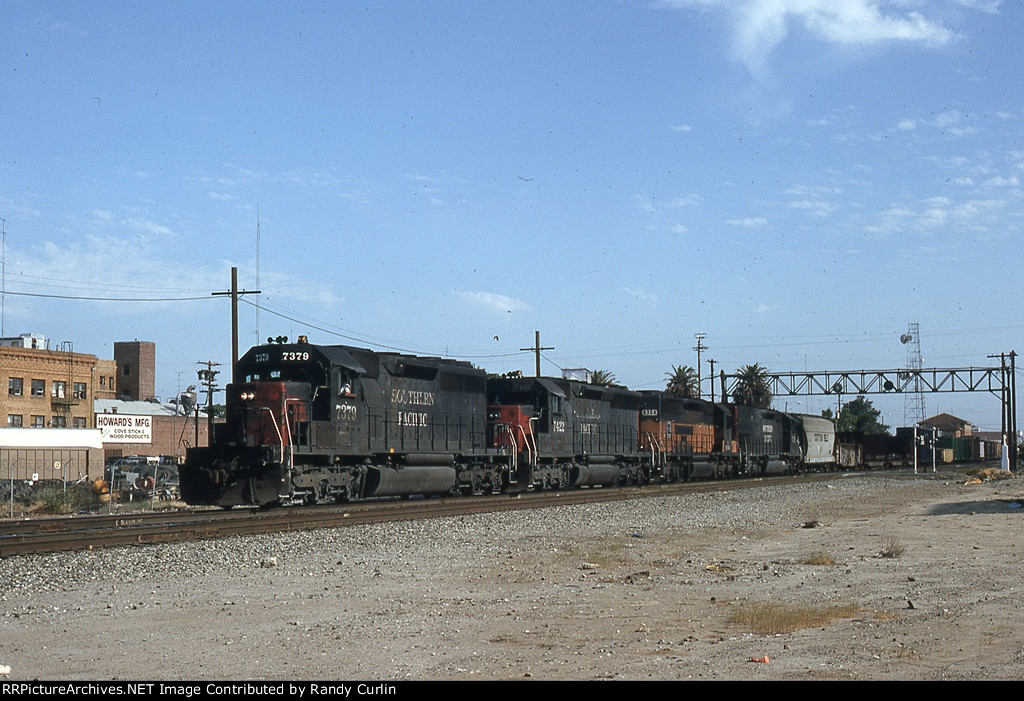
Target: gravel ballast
{"x":640,"y":589}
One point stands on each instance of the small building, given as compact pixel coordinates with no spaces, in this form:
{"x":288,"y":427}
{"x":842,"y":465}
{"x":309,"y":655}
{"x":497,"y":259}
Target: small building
{"x":949,"y":426}
{"x":148,"y":428}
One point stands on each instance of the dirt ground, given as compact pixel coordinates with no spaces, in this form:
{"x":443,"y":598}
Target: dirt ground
{"x":929,"y":572}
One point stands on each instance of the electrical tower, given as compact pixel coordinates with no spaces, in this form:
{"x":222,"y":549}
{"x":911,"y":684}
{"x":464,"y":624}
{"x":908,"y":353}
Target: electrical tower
{"x":913,"y":400}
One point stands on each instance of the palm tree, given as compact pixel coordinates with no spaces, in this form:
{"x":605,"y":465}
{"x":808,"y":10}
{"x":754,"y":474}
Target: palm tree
{"x":602,"y":377}
{"x":752,"y":386}
{"x":682,"y":382}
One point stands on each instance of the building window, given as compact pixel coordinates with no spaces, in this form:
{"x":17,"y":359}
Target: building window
{"x":79,"y":388}
{"x":59,"y":422}
{"x":126,"y":370}
{"x":58,"y":389}
{"x":78,"y":422}
{"x":14,"y":420}
{"x":38,"y":388}
{"x":38,"y":421}
{"x":14,"y":386}
{"x":103,"y":381}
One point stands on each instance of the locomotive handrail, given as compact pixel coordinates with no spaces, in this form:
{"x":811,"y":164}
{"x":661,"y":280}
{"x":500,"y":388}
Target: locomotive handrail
{"x":531,"y":437}
{"x":291,"y":443}
{"x":653,"y":441}
{"x":273,"y":420}
{"x":511,"y":436}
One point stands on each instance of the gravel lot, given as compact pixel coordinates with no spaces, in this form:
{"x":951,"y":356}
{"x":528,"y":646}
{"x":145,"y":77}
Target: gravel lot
{"x":644,"y":589}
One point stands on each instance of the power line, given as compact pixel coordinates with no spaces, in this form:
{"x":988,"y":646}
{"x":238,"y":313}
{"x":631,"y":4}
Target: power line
{"x":358,"y":339}
{"x":107,"y":299}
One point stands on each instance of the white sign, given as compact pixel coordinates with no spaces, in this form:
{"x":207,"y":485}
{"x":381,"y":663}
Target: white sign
{"x":125,"y":428}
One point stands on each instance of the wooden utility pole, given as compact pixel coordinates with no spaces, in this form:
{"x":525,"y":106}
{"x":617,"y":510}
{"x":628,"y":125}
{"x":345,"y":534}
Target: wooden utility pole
{"x":701,"y":347}
{"x":537,"y":348}
{"x":235,"y":294}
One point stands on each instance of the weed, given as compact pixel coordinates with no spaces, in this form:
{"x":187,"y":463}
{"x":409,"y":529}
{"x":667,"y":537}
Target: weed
{"x":771,"y":619}
{"x":893,"y":548}
{"x":61,"y":499}
{"x":821,"y":558}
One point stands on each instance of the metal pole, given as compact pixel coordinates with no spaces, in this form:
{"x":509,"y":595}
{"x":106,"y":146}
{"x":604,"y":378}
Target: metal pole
{"x":915,"y":449}
{"x":1013,"y":411}
{"x":934,"y":441}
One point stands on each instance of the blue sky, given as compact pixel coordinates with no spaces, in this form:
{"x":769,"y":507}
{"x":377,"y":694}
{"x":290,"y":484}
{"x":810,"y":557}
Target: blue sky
{"x":798,"y":179}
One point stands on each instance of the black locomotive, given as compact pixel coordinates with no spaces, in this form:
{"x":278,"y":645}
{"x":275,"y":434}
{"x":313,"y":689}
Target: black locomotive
{"x":308,"y":423}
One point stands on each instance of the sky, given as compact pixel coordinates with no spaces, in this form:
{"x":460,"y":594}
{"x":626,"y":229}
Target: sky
{"x":799,"y":180}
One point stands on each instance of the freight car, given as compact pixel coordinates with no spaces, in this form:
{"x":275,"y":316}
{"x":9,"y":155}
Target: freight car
{"x":309,"y":423}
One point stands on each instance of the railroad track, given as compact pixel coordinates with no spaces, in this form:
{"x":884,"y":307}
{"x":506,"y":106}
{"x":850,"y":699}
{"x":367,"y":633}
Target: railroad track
{"x":43,"y":535}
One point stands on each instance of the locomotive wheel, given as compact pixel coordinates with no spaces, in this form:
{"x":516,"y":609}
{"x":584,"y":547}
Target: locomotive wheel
{"x":323,"y":491}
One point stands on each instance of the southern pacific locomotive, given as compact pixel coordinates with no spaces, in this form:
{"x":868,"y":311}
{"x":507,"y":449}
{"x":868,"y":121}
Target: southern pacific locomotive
{"x":309,"y":423}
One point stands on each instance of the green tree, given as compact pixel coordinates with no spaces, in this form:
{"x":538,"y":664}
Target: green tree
{"x":682,"y":382}
{"x":752,"y":386}
{"x":602,"y":377}
{"x":860,"y":415}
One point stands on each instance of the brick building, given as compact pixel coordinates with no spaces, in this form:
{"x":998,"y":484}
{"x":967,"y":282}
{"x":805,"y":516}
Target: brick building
{"x":51,"y":388}
{"x":62,"y":389}
{"x":136,"y":370}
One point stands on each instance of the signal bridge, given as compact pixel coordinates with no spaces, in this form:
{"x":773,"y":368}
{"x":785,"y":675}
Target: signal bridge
{"x":999,"y":381}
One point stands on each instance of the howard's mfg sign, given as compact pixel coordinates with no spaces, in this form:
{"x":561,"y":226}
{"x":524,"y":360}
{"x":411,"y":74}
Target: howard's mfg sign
{"x":125,"y":428}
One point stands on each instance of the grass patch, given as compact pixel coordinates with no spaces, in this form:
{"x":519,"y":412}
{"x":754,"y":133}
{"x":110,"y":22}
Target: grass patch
{"x":771,"y":619}
{"x":56,"y":499}
{"x":818,"y":559}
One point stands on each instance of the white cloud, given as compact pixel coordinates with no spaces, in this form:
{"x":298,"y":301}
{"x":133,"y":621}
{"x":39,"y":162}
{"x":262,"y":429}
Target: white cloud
{"x":495,"y":302}
{"x":640,"y":294}
{"x":748,"y":222}
{"x":687,"y":200}
{"x":819,"y":208}
{"x":645,"y":204}
{"x":1012,"y":181}
{"x":760,"y":26}
{"x":681,"y":127}
{"x":936,"y":214}
{"x":148,"y":226}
